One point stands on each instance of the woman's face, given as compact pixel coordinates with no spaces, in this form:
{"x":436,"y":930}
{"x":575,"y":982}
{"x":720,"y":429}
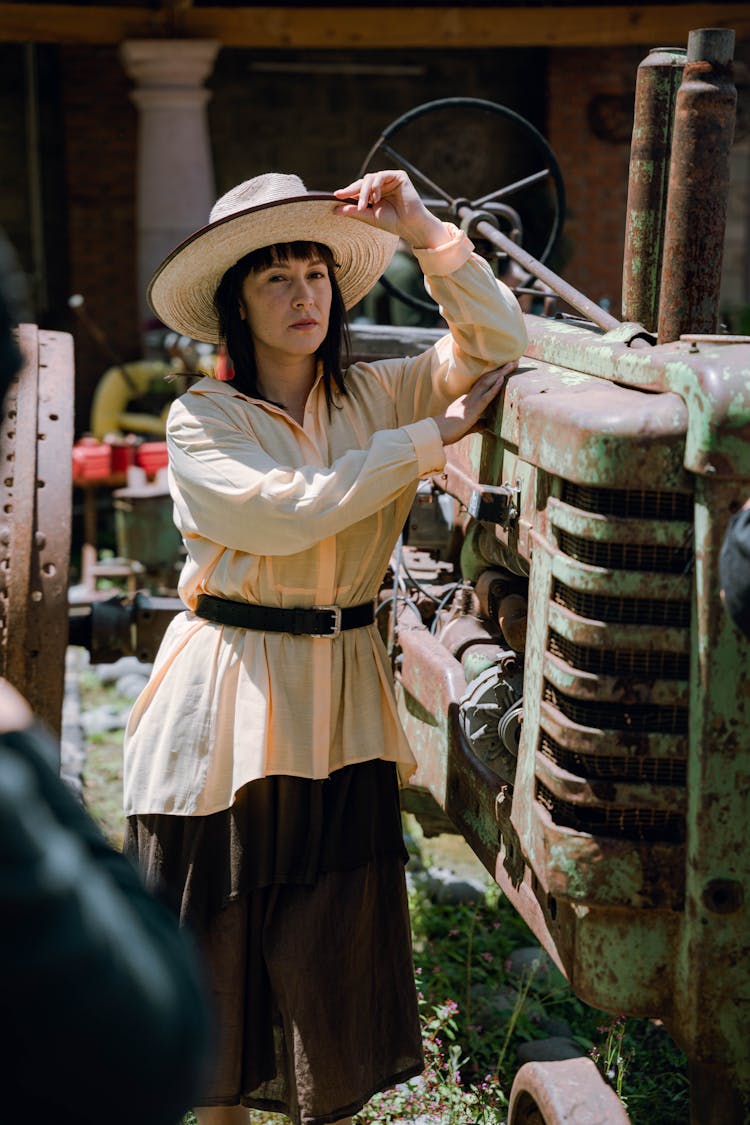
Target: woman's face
{"x":287,"y":306}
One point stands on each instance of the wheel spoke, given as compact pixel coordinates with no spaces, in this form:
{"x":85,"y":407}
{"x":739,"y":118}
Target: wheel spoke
{"x":402,"y":162}
{"x":510,"y":188}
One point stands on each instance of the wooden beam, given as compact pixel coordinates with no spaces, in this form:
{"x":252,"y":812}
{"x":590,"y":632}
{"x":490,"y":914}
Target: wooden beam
{"x":69,"y":23}
{"x":302,"y":28}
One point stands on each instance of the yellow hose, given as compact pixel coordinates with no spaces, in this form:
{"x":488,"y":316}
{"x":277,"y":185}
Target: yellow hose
{"x":115,"y":390}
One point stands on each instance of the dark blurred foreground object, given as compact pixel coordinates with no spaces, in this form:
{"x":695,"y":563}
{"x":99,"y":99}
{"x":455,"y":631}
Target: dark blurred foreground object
{"x":734,"y":569}
{"x":100,"y":993}
{"x":102,"y":1001}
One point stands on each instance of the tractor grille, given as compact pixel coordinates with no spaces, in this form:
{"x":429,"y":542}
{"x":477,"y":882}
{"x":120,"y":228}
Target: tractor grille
{"x":658,"y":771}
{"x":616,"y":662}
{"x":651,"y":825}
{"x":629,"y":503}
{"x":622,"y":606}
{"x":670,"y":613}
{"x":641,"y":717}
{"x":626,"y":556}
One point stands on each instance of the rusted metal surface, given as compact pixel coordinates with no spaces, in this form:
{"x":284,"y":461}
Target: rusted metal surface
{"x":566,"y":1092}
{"x":621,"y":833}
{"x":698,"y":187}
{"x":712,"y":992}
{"x":655,"y":90}
{"x":37,"y":435}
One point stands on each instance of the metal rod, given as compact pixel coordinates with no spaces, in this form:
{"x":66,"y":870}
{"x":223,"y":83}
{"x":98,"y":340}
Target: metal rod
{"x":593,"y":312}
{"x":476,"y":223}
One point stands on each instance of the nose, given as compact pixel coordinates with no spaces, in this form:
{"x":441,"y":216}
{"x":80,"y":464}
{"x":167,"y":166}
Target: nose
{"x":302,"y":297}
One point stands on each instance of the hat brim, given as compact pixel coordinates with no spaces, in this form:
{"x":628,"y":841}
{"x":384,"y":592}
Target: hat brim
{"x":181,"y":292}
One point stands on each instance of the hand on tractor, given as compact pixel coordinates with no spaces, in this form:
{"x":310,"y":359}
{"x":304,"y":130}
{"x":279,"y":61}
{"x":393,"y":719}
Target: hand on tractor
{"x":463,"y":415}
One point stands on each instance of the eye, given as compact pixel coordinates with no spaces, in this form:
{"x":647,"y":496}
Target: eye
{"x":316,"y":275}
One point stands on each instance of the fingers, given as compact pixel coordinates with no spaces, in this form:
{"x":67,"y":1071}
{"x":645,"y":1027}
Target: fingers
{"x":491,"y":381}
{"x":486,"y":389}
{"x":489,"y":384}
{"x":372,"y":188}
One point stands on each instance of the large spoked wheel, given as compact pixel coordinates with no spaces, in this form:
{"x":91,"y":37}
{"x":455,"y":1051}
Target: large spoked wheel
{"x":568,"y":1092}
{"x":462,"y":151}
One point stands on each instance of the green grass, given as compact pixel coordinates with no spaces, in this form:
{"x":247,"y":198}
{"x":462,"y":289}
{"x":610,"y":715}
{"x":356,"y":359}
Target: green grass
{"x":474,"y":1016}
{"x":102,"y":773}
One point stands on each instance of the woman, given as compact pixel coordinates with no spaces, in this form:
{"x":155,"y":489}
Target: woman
{"x":261,"y":760}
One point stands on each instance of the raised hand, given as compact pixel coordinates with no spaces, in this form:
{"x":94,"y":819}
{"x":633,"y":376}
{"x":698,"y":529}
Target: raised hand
{"x":390,"y":201}
{"x":463,"y":414}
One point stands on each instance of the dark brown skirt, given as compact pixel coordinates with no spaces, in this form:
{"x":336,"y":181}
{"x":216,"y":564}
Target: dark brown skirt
{"x":296,"y":895}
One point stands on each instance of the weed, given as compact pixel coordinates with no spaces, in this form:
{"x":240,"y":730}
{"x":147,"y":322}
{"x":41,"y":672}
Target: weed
{"x":611,"y":1058}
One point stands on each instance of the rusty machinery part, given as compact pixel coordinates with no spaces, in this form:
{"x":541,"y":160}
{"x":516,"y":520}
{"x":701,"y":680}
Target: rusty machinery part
{"x":123,"y":625}
{"x":698,"y":196}
{"x":525,"y":171}
{"x":488,"y":699}
{"x":564,"y":1092}
{"x":502,"y":599}
{"x":656,"y":87}
{"x":35,"y":442}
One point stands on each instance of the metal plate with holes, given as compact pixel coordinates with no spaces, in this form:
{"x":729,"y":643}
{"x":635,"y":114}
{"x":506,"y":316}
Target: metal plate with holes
{"x":36,"y":437}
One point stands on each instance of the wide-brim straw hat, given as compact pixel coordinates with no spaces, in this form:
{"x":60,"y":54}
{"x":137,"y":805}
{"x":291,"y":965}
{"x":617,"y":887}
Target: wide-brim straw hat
{"x":260,"y":212}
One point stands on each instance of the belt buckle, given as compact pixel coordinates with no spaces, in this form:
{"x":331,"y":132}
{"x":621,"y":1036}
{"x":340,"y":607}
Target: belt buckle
{"x":335,"y":610}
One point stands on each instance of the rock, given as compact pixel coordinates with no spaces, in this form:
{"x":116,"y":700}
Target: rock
{"x":72,"y":756}
{"x":488,"y":1005}
{"x":104,"y":718}
{"x":521,"y":962}
{"x":443,"y":886}
{"x":131,"y":685}
{"x":111,"y":673}
{"x":556,"y":1028}
{"x":556,"y":1049}
{"x":416,"y":863}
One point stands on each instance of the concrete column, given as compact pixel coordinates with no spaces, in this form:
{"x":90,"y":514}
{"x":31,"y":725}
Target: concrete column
{"x":175,"y":181}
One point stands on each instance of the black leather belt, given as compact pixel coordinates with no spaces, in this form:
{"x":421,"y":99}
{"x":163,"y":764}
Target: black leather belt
{"x":317,"y":621}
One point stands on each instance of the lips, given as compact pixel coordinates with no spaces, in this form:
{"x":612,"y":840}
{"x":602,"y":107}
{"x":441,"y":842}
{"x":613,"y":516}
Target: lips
{"x":304,"y":324}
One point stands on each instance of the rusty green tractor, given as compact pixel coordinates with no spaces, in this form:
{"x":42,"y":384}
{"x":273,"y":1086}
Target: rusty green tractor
{"x":574,"y":692}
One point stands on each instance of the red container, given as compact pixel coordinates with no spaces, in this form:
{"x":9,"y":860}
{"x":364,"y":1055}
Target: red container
{"x":151,"y":456}
{"x":123,"y":455}
{"x":92,"y":459}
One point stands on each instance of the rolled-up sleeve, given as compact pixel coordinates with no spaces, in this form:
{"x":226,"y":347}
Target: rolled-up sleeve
{"x":226,"y":488}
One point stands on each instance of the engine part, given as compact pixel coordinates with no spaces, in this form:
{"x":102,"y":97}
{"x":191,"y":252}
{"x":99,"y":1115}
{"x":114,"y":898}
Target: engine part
{"x":486,"y":700}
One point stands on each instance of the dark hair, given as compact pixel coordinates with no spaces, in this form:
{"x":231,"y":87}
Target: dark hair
{"x":334,"y":352}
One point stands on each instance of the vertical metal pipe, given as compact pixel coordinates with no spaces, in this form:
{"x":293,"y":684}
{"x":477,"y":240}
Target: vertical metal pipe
{"x":698,"y":187}
{"x":655,"y":91}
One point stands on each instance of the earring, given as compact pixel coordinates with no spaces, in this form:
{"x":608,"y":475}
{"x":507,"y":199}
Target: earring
{"x":223,"y":368}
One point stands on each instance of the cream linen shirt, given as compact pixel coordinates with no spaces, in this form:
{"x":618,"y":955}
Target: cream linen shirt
{"x":286,"y":515}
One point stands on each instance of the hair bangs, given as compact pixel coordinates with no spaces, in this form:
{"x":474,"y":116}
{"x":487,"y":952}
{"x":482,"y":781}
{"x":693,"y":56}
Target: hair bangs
{"x":268,"y":256}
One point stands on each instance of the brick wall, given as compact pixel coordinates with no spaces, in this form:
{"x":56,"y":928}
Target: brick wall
{"x":100,"y":161}
{"x":590,"y":113}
